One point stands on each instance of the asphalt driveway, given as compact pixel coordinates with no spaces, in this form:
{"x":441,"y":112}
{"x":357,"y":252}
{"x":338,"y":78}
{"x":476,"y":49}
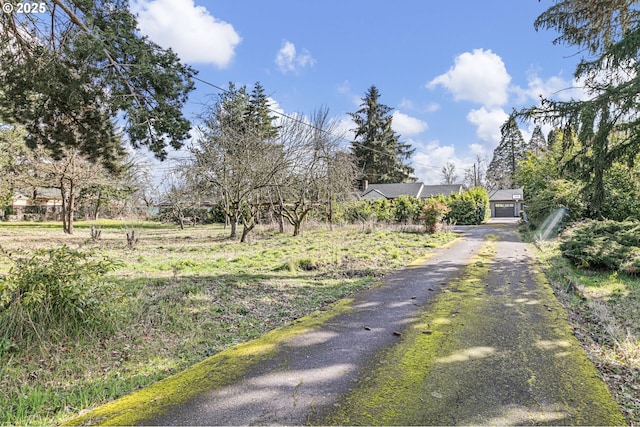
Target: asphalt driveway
{"x":471,"y":335}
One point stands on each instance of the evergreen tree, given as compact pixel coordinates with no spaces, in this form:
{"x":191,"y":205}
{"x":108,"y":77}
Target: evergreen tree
{"x":537,"y":143}
{"x":259,"y":113}
{"x":503,"y":166}
{"x":379,"y":154}
{"x":607,"y":124}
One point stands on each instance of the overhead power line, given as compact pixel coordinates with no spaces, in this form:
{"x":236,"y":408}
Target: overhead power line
{"x":305,"y":123}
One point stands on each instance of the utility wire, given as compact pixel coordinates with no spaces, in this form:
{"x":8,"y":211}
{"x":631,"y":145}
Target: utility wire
{"x":295,"y":119}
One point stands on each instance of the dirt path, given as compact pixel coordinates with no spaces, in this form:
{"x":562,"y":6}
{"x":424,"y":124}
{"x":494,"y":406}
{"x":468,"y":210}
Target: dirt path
{"x":471,"y":335}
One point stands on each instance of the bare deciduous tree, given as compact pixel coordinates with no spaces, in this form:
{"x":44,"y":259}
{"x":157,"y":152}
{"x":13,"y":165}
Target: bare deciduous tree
{"x":317,"y":167}
{"x":449,"y":175}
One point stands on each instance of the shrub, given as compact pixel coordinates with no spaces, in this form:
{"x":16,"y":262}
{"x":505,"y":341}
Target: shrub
{"x":383,"y":210}
{"x":53,"y":288}
{"x":361,"y":211}
{"x":557,"y":194}
{"x":468,"y":208}
{"x":609,"y":245}
{"x":432,"y":213}
{"x":405,"y":208}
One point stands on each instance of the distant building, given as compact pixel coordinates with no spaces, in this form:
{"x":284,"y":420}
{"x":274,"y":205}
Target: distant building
{"x":42,"y":204}
{"x":411,"y":189}
{"x":506,"y":203}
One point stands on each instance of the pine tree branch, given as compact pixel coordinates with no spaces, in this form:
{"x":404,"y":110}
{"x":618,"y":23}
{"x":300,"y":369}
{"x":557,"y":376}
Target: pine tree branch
{"x":114,"y":64}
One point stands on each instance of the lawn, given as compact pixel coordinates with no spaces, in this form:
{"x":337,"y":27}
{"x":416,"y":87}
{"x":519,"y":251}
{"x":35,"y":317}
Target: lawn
{"x":178,"y":297}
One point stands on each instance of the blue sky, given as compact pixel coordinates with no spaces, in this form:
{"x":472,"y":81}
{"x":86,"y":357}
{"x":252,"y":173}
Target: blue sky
{"x":451,"y":70}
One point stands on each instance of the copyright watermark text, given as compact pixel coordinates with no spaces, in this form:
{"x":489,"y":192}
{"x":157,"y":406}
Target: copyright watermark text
{"x":24,"y":7}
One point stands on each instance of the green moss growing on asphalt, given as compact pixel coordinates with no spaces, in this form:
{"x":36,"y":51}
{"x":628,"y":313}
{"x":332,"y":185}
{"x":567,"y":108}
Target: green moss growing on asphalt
{"x":217,"y":371}
{"x":419,"y":261}
{"x":393,"y":392}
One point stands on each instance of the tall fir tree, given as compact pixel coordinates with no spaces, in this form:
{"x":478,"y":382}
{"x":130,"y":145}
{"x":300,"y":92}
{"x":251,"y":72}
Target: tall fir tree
{"x":537,"y":143}
{"x":379,"y":154}
{"x":259,"y":113}
{"x":503,"y":166}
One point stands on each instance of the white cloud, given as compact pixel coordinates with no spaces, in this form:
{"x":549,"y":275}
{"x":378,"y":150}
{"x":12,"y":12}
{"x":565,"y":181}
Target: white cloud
{"x":345,"y":127}
{"x":479,"y":76}
{"x":488,"y":123}
{"x":478,"y":150}
{"x":406,"y":125}
{"x":289,"y":60}
{"x":554,"y":87}
{"x":190,"y":30}
{"x":407,"y":104}
{"x":432,"y":107}
{"x":430,"y":158}
{"x":275,"y":106}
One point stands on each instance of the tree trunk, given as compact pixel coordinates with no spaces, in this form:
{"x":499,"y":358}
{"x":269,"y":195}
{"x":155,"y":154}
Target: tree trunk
{"x":279,"y":211}
{"x":330,"y":214}
{"x":70,"y":206}
{"x":245,"y":232}
{"x":248,"y":221}
{"x":234,"y":228}
{"x":297,"y":224}
{"x":64,"y":207}
{"x":97,"y":207}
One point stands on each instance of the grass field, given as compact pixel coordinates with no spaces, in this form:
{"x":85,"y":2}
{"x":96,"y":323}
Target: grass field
{"x":178,"y":297}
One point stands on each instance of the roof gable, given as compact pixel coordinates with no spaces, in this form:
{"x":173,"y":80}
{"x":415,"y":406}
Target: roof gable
{"x":391,"y":191}
{"x":506,"y":194}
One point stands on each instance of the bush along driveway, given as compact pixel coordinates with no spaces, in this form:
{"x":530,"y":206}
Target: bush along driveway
{"x":471,"y":334}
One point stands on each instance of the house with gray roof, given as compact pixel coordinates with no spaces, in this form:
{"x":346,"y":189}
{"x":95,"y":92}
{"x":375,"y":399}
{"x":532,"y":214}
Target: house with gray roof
{"x":411,"y":189}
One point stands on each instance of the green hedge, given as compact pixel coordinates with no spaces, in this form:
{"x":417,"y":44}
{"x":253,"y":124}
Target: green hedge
{"x":468,"y":208}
